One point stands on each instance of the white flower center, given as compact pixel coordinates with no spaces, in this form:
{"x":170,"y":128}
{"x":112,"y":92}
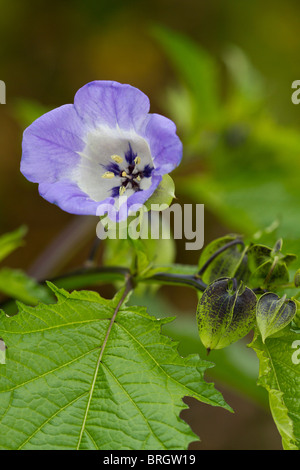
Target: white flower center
{"x":113,"y":163}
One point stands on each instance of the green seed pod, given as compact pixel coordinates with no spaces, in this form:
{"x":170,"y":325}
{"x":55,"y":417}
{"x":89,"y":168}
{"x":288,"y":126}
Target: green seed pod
{"x":268,"y":267}
{"x":223,"y":257}
{"x":226,"y":313}
{"x":273,"y":313}
{"x":297,"y":278}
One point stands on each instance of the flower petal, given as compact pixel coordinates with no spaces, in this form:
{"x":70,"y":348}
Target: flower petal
{"x":50,"y":145}
{"x":165,"y":145}
{"x":70,"y":198}
{"x":120,"y":211}
{"x":112,"y":104}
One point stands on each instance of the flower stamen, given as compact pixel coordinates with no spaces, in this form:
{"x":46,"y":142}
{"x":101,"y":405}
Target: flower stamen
{"x":122,"y":190}
{"x":117,"y":158}
{"x":108,"y":175}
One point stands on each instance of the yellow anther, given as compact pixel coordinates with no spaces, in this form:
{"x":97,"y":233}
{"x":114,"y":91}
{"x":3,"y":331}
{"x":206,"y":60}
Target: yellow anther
{"x":124,"y":174}
{"x":138,"y":178}
{"x":122,"y":190}
{"x":108,"y":175}
{"x":137,"y":160}
{"x":117,"y":158}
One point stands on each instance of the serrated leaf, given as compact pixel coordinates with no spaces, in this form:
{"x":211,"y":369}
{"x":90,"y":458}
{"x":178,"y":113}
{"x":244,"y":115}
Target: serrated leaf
{"x":56,"y":393}
{"x":279,"y":374}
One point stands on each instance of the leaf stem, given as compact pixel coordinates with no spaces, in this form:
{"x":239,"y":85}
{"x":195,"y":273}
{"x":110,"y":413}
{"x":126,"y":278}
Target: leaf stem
{"x":128,"y":288}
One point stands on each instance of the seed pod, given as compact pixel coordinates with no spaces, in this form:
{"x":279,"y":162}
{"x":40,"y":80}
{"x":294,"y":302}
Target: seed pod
{"x":297,"y":278}
{"x":226,"y":313}
{"x":223,"y":257}
{"x":268,"y":267}
{"x":273,"y":313}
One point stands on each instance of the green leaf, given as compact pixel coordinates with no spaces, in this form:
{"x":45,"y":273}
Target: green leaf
{"x":11,"y":241}
{"x":247,"y":80}
{"x":18,"y":285}
{"x":2,"y":351}
{"x":163,"y":195}
{"x":141,"y":253}
{"x":236,"y":366}
{"x":26,"y":111}
{"x":279,"y":374}
{"x":64,"y":387}
{"x":196,"y":68}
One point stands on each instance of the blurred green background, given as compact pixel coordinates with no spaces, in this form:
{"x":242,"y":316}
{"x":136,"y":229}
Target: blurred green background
{"x":223,"y":72}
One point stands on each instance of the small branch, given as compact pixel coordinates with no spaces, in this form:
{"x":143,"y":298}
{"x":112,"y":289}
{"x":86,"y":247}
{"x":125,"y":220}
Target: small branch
{"x":118,"y":272}
{"x":90,"y":262}
{"x":97,"y":272}
{"x":171,"y":278}
{"x":84,"y":277}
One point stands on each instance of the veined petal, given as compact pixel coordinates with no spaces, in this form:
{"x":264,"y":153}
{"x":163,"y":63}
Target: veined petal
{"x":112,"y":104}
{"x":51,"y":145}
{"x":70,"y":198}
{"x":165,"y":145}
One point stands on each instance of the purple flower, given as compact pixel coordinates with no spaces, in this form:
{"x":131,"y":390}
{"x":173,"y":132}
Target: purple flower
{"x":103,"y":149}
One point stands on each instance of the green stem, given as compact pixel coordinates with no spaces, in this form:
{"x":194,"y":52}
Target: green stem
{"x":171,"y":278}
{"x":127,"y":290}
{"x":87,"y":276}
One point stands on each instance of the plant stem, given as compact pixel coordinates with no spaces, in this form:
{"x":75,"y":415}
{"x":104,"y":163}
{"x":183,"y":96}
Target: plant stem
{"x":128,"y":288}
{"x":271,"y":270}
{"x":171,"y":278}
{"x":85,"y":276}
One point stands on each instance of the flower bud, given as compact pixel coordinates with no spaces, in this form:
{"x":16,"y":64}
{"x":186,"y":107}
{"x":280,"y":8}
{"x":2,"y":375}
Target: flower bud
{"x":273,"y":313}
{"x":226,"y":313}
